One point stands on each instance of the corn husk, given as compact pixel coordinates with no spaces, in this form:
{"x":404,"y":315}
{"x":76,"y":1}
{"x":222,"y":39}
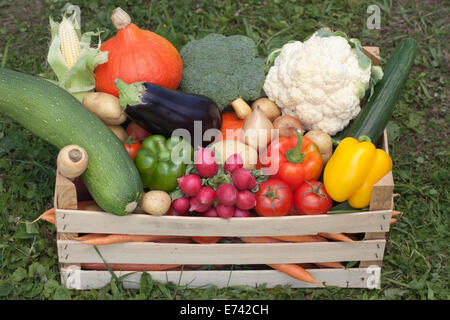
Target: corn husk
{"x":80,"y":79}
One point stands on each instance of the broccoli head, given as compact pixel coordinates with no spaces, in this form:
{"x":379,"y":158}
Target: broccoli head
{"x":222,"y":68}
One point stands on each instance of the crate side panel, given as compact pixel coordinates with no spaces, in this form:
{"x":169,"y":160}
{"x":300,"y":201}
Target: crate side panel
{"x":102,"y":222}
{"x":343,"y":278}
{"x":221,"y":253}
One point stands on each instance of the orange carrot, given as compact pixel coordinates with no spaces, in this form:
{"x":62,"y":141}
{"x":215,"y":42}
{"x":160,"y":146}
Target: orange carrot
{"x":176,"y":240}
{"x":396,"y":213}
{"x":302,"y":238}
{"x":335,"y":236}
{"x":118,"y":238}
{"x":295,"y":271}
{"x":260,"y":240}
{"x":337,"y":265}
{"x":48,"y":216}
{"x":393,"y":220}
{"x":128,"y":266}
{"x":90,"y":236}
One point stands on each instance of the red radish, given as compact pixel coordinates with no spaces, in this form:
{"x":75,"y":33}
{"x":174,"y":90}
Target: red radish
{"x":190,"y":184}
{"x":252,"y":183}
{"x":245,"y":200}
{"x":173,"y":212}
{"x":212,"y":213}
{"x":206,"y":196}
{"x":195,"y":205}
{"x":181,"y":205}
{"x":242,"y":178}
{"x":233,"y":162}
{"x":225,"y":211}
{"x":205,"y":163}
{"x":227,"y":194}
{"x":239,"y":213}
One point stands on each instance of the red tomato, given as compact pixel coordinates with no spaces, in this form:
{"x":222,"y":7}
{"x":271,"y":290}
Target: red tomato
{"x":136,"y":131}
{"x":274,"y":198}
{"x":132,"y":149}
{"x":312,"y":198}
{"x":206,"y":239}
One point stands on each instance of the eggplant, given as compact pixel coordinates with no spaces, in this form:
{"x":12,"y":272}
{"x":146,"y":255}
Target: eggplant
{"x":161,"y":111}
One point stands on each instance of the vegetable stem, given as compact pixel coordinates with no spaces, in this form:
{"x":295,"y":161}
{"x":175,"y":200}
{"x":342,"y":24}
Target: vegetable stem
{"x":295,"y":155}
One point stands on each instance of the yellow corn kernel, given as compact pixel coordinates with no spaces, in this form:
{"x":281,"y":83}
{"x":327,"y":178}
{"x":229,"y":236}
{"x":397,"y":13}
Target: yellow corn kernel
{"x":69,"y":42}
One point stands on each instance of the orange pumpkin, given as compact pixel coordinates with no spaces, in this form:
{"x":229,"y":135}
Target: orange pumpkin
{"x":134,"y":55}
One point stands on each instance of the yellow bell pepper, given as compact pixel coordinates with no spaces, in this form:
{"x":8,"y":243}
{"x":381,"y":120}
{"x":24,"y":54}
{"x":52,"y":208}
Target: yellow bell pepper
{"x":352,"y":171}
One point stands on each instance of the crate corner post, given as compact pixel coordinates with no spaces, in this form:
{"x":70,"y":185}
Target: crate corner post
{"x":65,"y":198}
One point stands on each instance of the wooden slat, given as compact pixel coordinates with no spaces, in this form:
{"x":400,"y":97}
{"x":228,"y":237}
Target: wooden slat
{"x":103,"y":222}
{"x":373,"y":53}
{"x":70,"y":251}
{"x":344,"y":278}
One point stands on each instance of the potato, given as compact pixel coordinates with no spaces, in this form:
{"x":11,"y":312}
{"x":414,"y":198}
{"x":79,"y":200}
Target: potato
{"x":323,"y":142}
{"x":156,"y":202}
{"x":225,"y":148}
{"x":119,"y":131}
{"x":105,"y":106}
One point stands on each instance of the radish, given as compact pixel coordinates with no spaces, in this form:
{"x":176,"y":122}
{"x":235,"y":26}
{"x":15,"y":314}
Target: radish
{"x":195,"y":205}
{"x":181,"y":205}
{"x":252,"y":183}
{"x":212,"y":212}
{"x":190,"y":184}
{"x":242,"y":178}
{"x":206,"y":196}
{"x":225,"y":211}
{"x":245,"y":200}
{"x":226,"y":194}
{"x":233,"y":162}
{"x":239,"y":213}
{"x":205,"y":163}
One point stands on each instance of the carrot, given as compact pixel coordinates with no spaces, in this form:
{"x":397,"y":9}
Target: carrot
{"x":175,"y":240}
{"x":260,"y":240}
{"x":302,"y":238}
{"x":396,"y":213}
{"x":335,"y":236}
{"x":296,"y":272}
{"x":90,"y":236}
{"x":118,"y":238}
{"x":48,"y":216}
{"x":128,"y":266}
{"x":337,"y":265}
{"x":393,"y":220}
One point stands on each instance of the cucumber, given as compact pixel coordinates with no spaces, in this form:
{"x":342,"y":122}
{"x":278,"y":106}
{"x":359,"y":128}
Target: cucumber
{"x":57,"y":117}
{"x":377,"y":111}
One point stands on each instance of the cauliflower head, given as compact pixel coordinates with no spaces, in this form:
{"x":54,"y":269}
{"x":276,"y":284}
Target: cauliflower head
{"x":320,"y":81}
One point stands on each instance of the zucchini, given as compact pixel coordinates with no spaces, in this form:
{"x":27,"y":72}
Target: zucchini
{"x":57,"y":117}
{"x":377,"y":111}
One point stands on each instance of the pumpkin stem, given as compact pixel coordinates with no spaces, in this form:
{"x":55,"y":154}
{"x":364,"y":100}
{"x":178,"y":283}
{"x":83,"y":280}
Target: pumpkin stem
{"x":120,"y":18}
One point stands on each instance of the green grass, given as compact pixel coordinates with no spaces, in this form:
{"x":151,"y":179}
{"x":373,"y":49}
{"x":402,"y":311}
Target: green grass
{"x":416,"y":258}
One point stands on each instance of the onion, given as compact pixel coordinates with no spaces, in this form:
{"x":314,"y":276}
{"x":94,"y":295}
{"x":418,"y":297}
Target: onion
{"x":287,"y":126}
{"x":269,"y":108}
{"x":257,"y":129}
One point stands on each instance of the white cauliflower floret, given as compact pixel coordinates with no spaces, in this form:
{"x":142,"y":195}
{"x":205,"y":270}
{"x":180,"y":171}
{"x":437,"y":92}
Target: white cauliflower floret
{"x":319,"y":81}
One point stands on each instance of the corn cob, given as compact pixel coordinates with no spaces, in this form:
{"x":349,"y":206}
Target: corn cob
{"x":69,"y":43}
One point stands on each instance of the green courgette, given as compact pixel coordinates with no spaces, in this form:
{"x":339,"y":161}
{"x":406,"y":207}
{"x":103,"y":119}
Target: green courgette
{"x":57,"y":117}
{"x":377,"y":111}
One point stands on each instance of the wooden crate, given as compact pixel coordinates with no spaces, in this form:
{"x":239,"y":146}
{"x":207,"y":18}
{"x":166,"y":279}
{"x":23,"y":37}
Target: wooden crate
{"x":369,"y":251}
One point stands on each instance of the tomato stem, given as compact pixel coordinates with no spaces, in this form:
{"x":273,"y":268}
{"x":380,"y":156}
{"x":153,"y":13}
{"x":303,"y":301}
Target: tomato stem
{"x":317,"y":191}
{"x":271,"y":194}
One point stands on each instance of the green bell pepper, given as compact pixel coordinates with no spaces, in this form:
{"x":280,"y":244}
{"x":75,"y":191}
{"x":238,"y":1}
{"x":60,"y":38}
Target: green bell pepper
{"x":161,"y":161}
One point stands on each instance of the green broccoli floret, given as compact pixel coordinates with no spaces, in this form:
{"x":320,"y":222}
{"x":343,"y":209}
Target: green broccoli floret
{"x":222,"y":68}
